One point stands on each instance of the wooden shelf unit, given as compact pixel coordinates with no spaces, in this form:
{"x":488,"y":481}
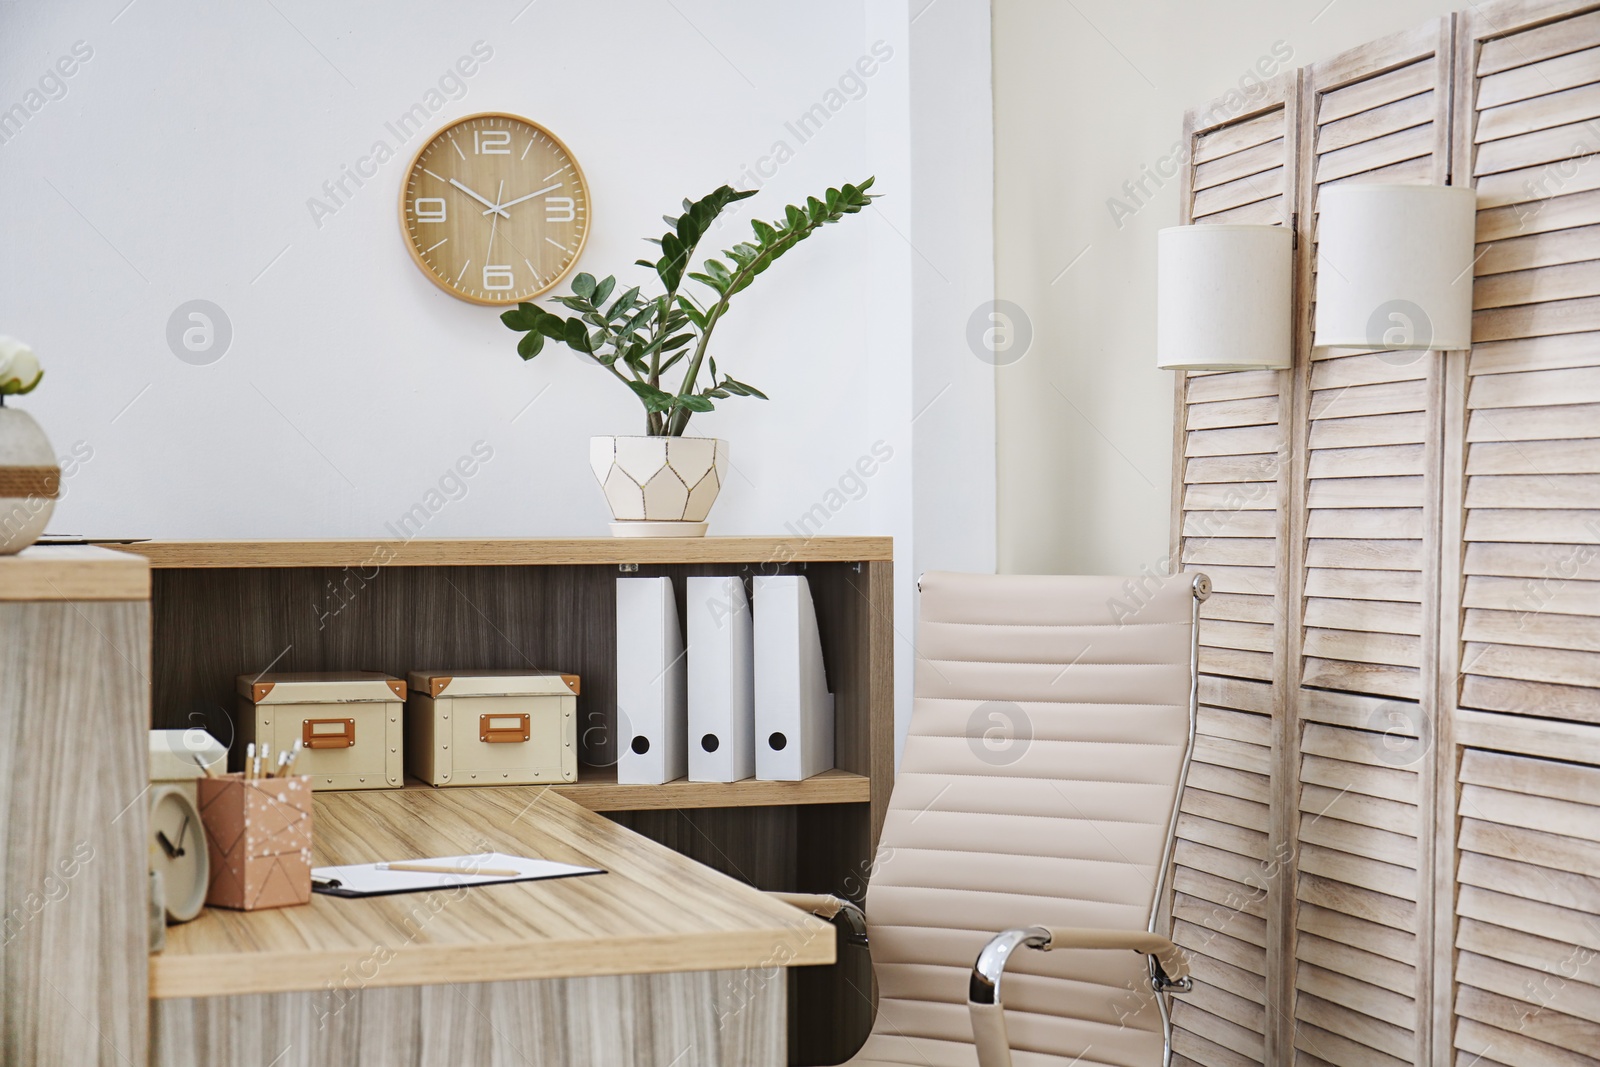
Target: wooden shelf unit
{"x":225,"y":608}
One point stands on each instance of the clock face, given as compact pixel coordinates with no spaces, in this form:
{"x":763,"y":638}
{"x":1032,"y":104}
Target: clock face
{"x":494,"y":209}
{"x":178,"y":851}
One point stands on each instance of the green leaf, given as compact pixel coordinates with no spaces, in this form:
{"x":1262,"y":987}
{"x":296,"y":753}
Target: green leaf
{"x":530,"y":345}
{"x":576,"y":336}
{"x":691,"y":312}
{"x":583,"y":285}
{"x":522,"y":318}
{"x":552,"y":326}
{"x":694,"y":403}
{"x":654,"y":399}
{"x":624,"y":303}
{"x":742,"y":389}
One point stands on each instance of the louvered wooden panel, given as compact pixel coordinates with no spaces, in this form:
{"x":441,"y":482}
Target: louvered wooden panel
{"x":1528,"y":941}
{"x":1364,"y":499}
{"x":1223,"y":877}
{"x":1368,"y":484}
{"x":1358,"y":918}
{"x":1531,"y":624}
{"x":1228,"y":517}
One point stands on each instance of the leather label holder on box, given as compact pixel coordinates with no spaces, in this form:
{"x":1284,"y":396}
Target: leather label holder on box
{"x":350,"y":725}
{"x":492,"y":727}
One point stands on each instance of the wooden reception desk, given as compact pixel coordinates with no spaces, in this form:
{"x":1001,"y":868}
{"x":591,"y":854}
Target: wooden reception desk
{"x":659,"y":961}
{"x":74,"y":708}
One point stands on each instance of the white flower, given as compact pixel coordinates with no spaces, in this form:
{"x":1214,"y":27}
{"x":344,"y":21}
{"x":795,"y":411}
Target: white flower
{"x":19,"y":367}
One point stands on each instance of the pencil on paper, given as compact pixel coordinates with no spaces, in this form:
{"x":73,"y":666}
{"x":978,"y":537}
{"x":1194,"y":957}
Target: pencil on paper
{"x":431,"y":868}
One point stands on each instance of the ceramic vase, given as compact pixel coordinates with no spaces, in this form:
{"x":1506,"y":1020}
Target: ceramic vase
{"x":659,"y":486}
{"x":30,"y":480}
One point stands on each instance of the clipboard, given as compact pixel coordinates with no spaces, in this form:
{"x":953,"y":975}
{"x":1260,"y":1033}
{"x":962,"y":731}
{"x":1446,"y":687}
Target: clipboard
{"x":359,"y":880}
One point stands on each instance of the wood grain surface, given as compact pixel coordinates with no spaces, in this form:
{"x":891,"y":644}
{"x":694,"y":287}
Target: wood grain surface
{"x":479,"y":552}
{"x":695,"y":1019}
{"x":72,"y":572}
{"x":597,"y":790}
{"x":74,"y":707}
{"x":654,"y":911}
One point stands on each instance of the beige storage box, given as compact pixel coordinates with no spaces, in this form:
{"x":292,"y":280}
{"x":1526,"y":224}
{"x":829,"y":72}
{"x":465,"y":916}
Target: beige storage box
{"x":173,"y":754}
{"x":492,"y":727}
{"x":349,"y":723}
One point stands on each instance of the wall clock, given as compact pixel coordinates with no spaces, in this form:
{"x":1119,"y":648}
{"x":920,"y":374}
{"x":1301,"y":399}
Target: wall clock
{"x":494,"y":209}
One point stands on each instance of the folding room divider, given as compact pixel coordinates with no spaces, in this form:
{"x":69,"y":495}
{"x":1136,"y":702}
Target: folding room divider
{"x":1390,"y":852}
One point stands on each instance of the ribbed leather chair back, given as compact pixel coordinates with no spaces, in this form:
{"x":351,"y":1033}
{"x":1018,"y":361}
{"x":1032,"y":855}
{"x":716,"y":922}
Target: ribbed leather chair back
{"x":1036,"y":786}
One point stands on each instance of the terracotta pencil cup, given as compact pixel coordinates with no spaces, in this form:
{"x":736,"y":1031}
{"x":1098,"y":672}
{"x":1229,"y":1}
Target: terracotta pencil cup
{"x":258,"y":834}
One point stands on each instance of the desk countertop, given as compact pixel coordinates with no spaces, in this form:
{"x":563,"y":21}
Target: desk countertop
{"x":655,"y":911}
{"x":73,"y":572}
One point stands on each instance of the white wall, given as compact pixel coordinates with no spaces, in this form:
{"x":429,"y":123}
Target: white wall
{"x":1086,"y":94}
{"x":179,"y":166}
{"x":178,"y":162}
{"x":952,"y":151}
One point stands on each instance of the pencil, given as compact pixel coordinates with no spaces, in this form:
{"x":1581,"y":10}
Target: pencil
{"x":428,"y":868}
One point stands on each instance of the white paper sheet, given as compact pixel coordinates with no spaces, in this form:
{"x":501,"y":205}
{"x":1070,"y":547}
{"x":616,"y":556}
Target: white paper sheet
{"x":365,"y":879}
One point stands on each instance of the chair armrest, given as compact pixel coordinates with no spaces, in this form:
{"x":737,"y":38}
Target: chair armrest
{"x":1169,"y":972}
{"x":1174,"y":964}
{"x":825,"y":906}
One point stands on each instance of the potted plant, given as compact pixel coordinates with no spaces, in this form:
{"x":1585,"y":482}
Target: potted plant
{"x":663,"y":483}
{"x":29,"y":476}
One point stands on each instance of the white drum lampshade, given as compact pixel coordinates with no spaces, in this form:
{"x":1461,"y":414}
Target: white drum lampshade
{"x":1224,"y":297}
{"x":1394,"y":267}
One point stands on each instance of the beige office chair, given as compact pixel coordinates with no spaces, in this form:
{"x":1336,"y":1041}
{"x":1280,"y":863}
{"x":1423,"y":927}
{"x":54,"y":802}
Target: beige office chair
{"x":1034,"y":809}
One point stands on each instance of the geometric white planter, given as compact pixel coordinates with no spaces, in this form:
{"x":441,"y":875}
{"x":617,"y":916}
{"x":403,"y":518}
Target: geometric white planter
{"x":30,"y":480}
{"x":659,"y":486}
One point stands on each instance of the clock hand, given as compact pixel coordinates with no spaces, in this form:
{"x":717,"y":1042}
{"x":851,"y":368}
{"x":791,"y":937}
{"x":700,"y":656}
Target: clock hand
{"x":166,"y":845}
{"x":492,"y":207}
{"x":183,"y":832}
{"x":488,"y":254}
{"x":530,"y":196}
